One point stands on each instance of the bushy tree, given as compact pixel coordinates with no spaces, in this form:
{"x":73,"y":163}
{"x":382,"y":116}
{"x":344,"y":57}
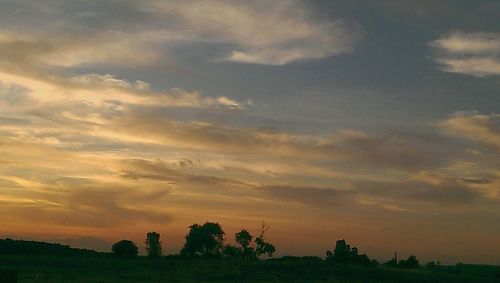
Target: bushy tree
{"x":205,"y":240}
{"x":244,"y":239}
{"x":248,"y":246}
{"x":344,"y":254}
{"x":125,"y":249}
{"x":153,"y":244}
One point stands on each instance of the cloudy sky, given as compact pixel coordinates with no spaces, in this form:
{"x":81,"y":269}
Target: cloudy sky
{"x":375,"y":122}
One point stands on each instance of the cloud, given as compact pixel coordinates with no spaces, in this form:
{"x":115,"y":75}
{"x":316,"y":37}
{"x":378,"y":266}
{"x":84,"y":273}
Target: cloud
{"x":475,"y":54}
{"x":96,"y":89}
{"x":311,"y":196}
{"x":448,"y":191}
{"x":57,"y":198}
{"x":257,"y":32}
{"x":143,"y":94}
{"x":267,"y":33}
{"x":469,"y":43}
{"x":425,"y":187}
{"x":85,"y":208}
{"x":350,"y":146}
{"x":174,"y":173}
{"x":69,"y":46}
{"x":29,"y":70}
{"x":8,"y":184}
{"x":483,"y":129}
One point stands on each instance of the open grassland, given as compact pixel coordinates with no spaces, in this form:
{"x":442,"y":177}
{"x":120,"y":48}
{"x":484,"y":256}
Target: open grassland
{"x":105,"y":268}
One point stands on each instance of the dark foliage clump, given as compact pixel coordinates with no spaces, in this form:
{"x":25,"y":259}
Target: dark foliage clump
{"x":344,"y":254}
{"x":125,"y":249}
{"x":410,"y":262}
{"x":153,"y":244}
{"x":248,"y":249}
{"x":205,"y":240}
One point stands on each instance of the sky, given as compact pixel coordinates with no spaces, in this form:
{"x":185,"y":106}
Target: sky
{"x":377,"y":122}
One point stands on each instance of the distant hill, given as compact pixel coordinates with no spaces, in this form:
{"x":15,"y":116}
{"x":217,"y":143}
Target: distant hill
{"x":21,"y":247}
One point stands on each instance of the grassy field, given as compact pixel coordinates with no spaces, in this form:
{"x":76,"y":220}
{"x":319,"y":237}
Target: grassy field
{"x":105,"y":268}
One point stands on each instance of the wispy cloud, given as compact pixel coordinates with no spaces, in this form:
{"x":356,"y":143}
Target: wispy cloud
{"x":267,"y":33}
{"x":261,"y":32}
{"x":475,"y":54}
{"x":484,"y":129}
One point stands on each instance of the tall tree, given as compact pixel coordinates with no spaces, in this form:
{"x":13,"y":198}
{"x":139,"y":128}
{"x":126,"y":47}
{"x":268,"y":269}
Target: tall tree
{"x":153,"y":244}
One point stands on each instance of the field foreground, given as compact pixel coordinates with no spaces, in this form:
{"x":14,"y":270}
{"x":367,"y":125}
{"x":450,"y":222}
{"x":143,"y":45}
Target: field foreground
{"x":105,"y":268}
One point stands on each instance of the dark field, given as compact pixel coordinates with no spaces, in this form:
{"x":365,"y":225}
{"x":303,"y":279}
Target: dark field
{"x":106,"y":268}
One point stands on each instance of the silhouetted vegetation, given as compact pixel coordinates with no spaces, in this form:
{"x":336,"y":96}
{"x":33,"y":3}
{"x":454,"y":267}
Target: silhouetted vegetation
{"x":204,"y":257}
{"x":21,"y":247}
{"x":261,"y":246}
{"x":410,"y":262}
{"x":153,"y":244}
{"x":125,"y":249}
{"x":244,"y":239}
{"x":344,"y":254}
{"x":248,"y":249}
{"x":205,"y":240}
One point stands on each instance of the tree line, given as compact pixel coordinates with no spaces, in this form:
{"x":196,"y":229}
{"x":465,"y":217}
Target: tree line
{"x":204,"y":241}
{"x":207,"y":241}
{"x":11,"y":246}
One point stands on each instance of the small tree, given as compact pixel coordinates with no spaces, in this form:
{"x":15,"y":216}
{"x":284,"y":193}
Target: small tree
{"x":261,"y":246}
{"x":153,"y":244}
{"x":125,"y":249}
{"x":244,"y":239}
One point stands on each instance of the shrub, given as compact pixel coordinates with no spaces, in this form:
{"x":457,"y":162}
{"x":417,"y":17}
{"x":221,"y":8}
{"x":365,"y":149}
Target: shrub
{"x":125,"y":249}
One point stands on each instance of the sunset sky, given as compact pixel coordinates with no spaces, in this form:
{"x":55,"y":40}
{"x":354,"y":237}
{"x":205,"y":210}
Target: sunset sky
{"x":373,"y":121}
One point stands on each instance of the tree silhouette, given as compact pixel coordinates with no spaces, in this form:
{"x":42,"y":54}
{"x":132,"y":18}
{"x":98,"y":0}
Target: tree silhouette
{"x":153,"y":244}
{"x":125,"y":248}
{"x":261,"y":246}
{"x":244,"y":239}
{"x":205,"y":240}
{"x":344,"y":254}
